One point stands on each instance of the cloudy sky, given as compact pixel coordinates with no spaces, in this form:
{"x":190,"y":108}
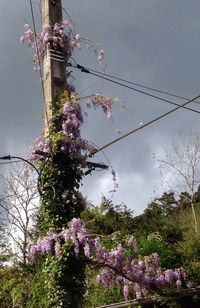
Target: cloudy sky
{"x":151,"y":42}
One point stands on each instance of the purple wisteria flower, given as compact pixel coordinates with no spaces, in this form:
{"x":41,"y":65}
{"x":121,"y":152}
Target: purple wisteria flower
{"x":126,"y":291}
{"x":101,"y":56}
{"x":160,"y":281}
{"x":137,"y":276}
{"x":103,"y":101}
{"x":61,"y":37}
{"x":73,"y":145}
{"x":105,"y":278}
{"x":41,"y":144}
{"x":57,"y":248}
{"x":32,"y":252}
{"x":45,"y":245}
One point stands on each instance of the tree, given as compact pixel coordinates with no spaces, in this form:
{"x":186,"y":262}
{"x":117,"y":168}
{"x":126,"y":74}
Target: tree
{"x":108,"y":218}
{"x":5,"y":250}
{"x":182,"y":161}
{"x":18,"y":206}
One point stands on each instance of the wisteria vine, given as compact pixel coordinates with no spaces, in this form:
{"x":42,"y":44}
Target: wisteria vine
{"x":62,"y":37}
{"x":137,"y":275}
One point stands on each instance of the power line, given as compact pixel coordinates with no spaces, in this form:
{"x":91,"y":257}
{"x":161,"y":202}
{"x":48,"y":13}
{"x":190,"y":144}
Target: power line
{"x":67,"y":14}
{"x":17,"y":154}
{"x":36,"y":44}
{"x":143,"y":126}
{"x":9,"y":157}
{"x":139,"y":85}
{"x":102,"y":75}
{"x":21,"y":159}
{"x":85,"y":70}
{"x":38,"y":56}
{"x":11,"y":162}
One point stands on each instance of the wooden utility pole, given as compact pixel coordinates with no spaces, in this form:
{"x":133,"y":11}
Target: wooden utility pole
{"x":60,"y":173}
{"x":54,"y":61}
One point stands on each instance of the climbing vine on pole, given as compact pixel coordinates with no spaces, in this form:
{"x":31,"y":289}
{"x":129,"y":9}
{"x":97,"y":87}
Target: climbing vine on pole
{"x":64,"y":244}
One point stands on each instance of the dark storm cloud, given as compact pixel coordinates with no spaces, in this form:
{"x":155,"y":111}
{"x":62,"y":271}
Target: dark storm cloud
{"x":21,"y":100}
{"x":155,"y":43}
{"x":147,"y":41}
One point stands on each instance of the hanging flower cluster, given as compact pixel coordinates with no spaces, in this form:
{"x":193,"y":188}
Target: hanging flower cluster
{"x":136,"y":275}
{"x":114,"y":178}
{"x":104,"y":102}
{"x":60,"y":182}
{"x":71,"y":120}
{"x":61,"y":37}
{"x":76,"y":233}
{"x":41,"y":145}
{"x":67,"y":137}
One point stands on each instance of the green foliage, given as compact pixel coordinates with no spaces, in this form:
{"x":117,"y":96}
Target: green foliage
{"x":63,"y":277}
{"x":51,"y":282}
{"x":99,"y":295}
{"x":5,"y":253}
{"x":193,"y":271}
{"x":165,"y":227}
{"x":189,"y":246}
{"x":168,"y":302}
{"x":14,"y":287}
{"x":171,"y":230}
{"x":168,"y":255}
{"x":156,"y":215}
{"x":108,"y":218}
{"x":59,"y":174}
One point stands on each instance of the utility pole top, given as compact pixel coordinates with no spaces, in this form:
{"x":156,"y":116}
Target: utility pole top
{"x":51,"y":12}
{"x":54,"y":60}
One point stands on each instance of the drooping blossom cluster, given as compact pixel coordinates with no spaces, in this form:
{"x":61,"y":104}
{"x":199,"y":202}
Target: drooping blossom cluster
{"x":100,"y":56}
{"x":136,"y":275}
{"x":71,"y":120}
{"x":114,"y":178}
{"x":77,"y":234}
{"x":61,"y":37}
{"x":68,"y":137}
{"x":105,"y":102}
{"x":41,"y":145}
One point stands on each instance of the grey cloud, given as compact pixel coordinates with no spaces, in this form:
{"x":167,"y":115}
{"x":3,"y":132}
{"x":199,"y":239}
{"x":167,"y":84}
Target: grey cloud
{"x":147,"y":41}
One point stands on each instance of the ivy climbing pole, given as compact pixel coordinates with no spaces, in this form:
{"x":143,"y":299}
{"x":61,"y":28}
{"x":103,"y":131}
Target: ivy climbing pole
{"x":64,"y":246}
{"x":64,"y":277}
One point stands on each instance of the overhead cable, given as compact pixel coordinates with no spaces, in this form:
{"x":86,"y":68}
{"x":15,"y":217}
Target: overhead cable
{"x":85,"y":70}
{"x":9,"y":157}
{"x":144,"y":125}
{"x":65,"y":11}
{"x":10,"y":162}
{"x":39,"y":61}
{"x":138,"y":84}
{"x":18,"y":154}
